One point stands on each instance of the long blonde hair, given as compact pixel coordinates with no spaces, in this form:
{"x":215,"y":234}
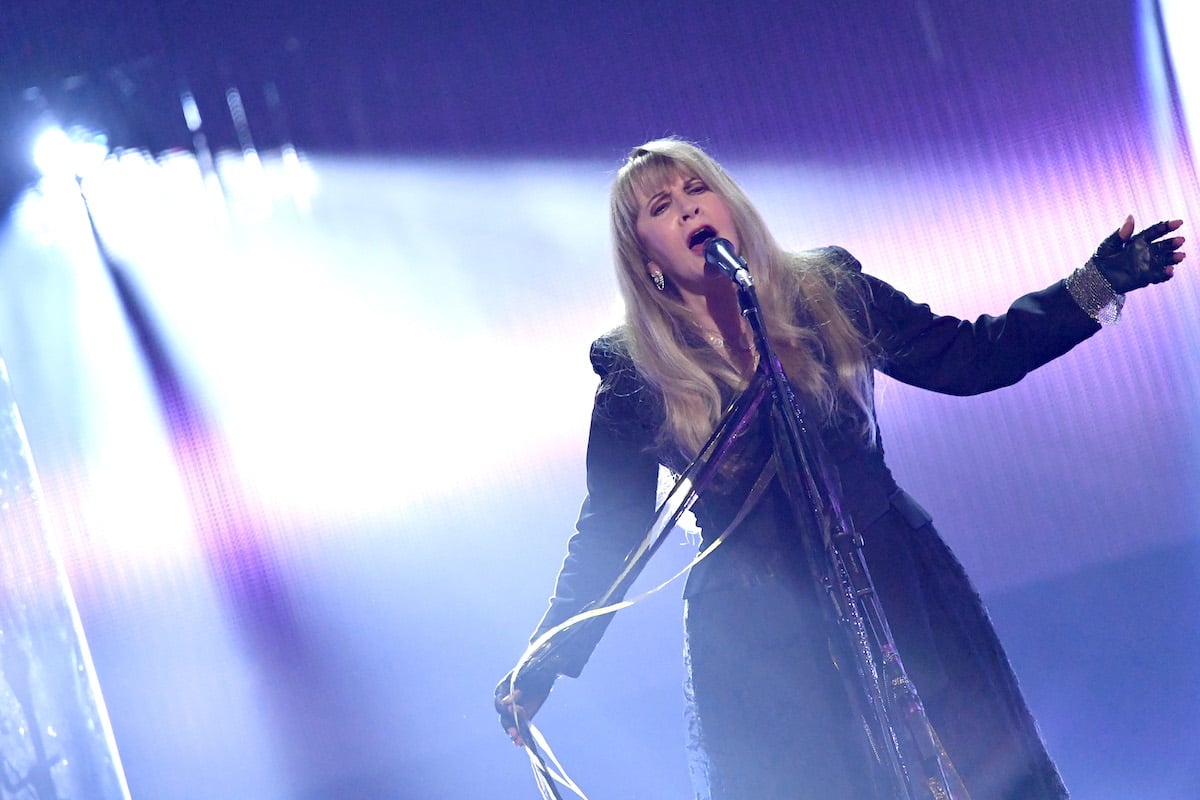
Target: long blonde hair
{"x":823,"y":353}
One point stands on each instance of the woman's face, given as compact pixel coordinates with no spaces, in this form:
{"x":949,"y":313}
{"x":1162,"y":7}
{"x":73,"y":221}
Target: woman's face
{"x":674,"y":221}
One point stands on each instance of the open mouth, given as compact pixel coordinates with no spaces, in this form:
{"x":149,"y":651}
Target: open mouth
{"x":701,"y":235}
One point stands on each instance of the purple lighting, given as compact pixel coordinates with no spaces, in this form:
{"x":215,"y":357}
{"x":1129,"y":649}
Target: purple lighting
{"x":312,"y":499}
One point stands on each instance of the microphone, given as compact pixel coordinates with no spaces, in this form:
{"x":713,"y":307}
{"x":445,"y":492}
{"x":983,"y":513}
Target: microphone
{"x":719,"y":253}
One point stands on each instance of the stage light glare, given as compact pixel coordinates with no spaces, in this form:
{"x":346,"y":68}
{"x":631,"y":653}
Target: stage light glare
{"x":51,"y":150}
{"x":69,"y":154}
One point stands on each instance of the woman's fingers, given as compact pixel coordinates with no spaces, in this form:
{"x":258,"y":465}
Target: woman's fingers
{"x":1156,"y":230}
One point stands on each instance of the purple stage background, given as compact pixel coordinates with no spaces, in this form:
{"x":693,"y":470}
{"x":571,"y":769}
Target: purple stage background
{"x":314,"y":444}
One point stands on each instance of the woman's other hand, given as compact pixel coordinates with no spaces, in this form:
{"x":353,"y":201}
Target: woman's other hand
{"x":516,"y":708}
{"x":1130,"y":261}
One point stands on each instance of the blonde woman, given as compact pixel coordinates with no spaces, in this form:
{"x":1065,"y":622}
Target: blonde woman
{"x":769,"y":712}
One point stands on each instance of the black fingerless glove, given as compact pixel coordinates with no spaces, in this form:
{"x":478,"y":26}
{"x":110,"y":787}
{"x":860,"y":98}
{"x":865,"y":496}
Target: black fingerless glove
{"x":1129,"y":264}
{"x":534,"y":685}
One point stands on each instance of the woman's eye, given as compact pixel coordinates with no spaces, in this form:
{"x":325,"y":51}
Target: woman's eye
{"x":696,"y":188}
{"x":658,"y":208}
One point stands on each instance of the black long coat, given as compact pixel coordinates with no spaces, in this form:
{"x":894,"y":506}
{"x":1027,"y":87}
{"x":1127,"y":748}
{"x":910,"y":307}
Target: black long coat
{"x":769,"y":716}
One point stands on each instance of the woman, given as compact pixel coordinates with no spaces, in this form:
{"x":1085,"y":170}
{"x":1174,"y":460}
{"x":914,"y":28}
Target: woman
{"x":769,"y":711}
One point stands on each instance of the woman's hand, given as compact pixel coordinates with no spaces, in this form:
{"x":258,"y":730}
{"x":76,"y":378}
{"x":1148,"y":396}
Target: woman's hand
{"x":1128,"y":261}
{"x":517,"y":708}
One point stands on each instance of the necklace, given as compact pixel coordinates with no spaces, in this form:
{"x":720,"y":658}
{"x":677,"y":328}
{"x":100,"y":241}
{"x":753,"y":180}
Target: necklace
{"x":718,"y":341}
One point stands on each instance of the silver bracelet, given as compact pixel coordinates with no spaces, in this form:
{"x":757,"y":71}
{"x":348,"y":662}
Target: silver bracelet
{"x":1095,"y":295}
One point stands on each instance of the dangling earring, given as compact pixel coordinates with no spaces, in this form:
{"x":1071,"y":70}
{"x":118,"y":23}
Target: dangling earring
{"x":660,"y":282}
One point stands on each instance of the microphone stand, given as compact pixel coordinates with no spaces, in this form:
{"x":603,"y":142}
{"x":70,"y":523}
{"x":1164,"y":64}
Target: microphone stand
{"x":900,"y":737}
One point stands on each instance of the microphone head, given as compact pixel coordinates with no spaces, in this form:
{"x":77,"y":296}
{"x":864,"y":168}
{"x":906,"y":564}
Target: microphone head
{"x":720,"y":254}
